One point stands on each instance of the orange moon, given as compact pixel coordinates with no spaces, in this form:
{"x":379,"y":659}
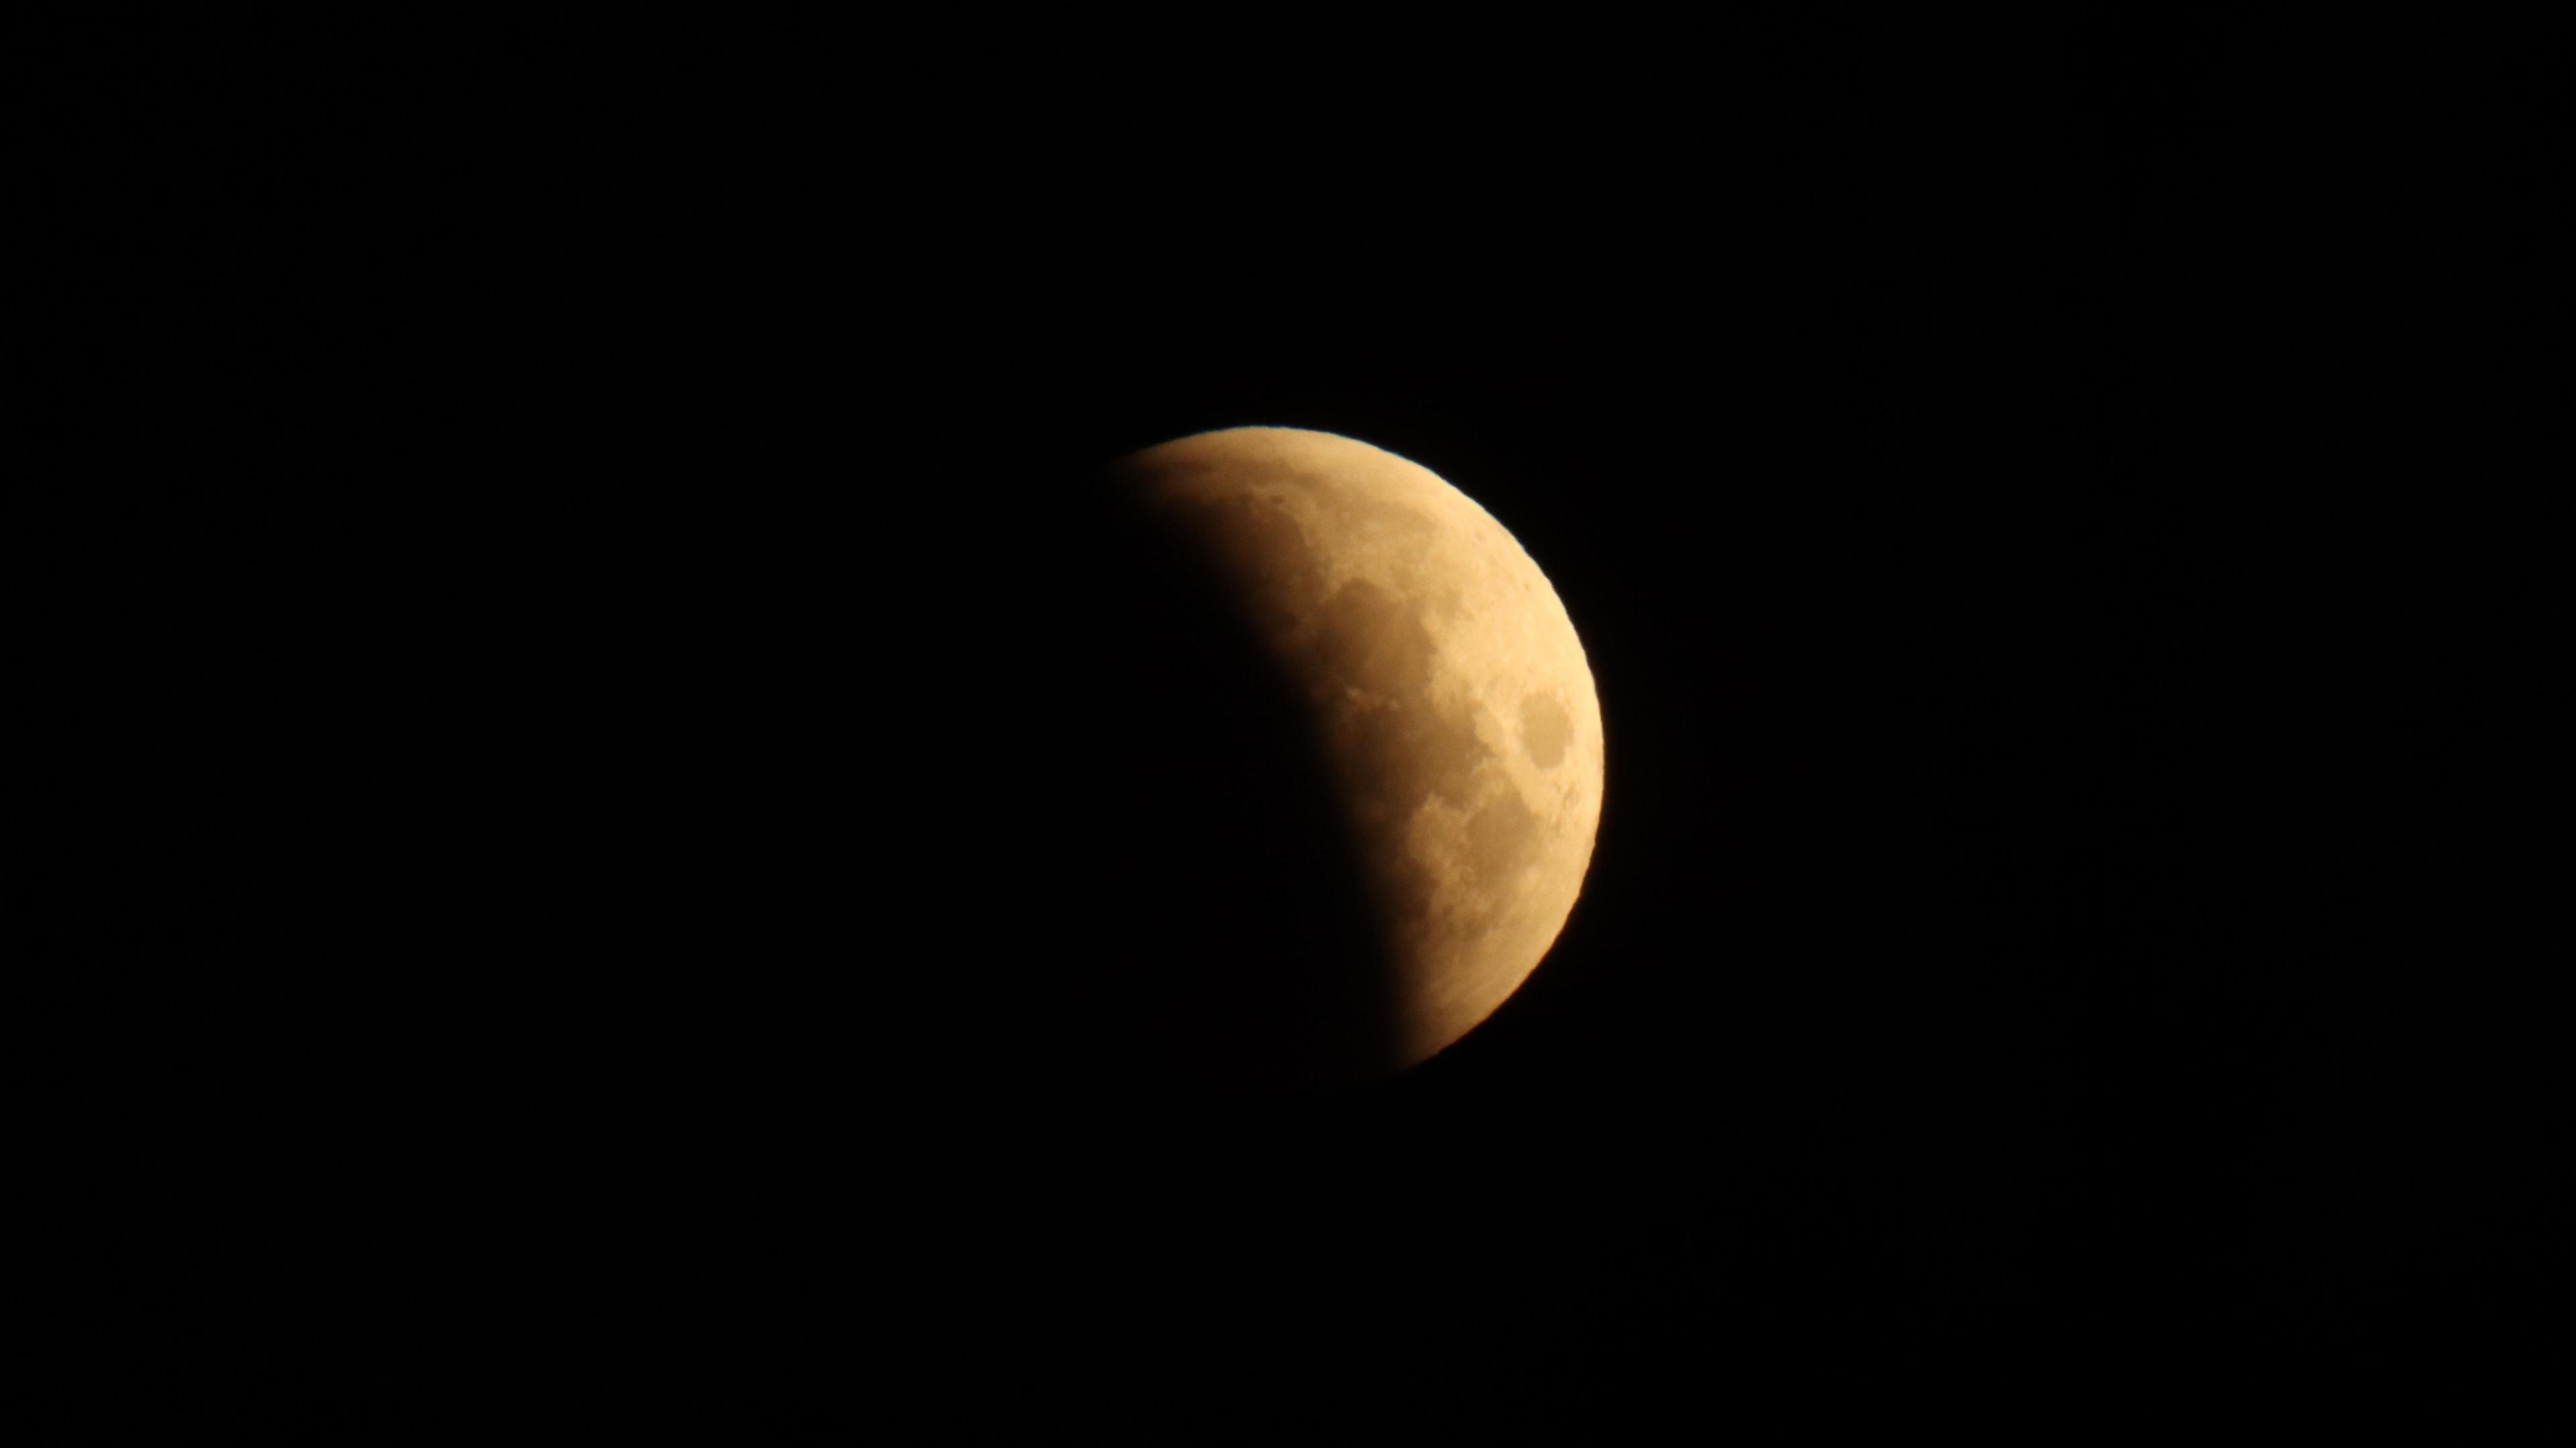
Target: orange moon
{"x":1449,"y":694}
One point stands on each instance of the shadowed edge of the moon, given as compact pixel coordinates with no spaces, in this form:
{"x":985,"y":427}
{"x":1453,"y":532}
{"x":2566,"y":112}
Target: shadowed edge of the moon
{"x":1267,"y":962}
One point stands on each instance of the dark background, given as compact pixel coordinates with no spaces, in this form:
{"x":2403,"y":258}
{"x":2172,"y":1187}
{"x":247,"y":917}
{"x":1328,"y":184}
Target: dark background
{"x":579,"y":766}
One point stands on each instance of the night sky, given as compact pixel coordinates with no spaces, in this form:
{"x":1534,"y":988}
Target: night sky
{"x":586,"y":789}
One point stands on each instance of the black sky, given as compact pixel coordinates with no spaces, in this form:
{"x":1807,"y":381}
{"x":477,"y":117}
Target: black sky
{"x":562,"y":762}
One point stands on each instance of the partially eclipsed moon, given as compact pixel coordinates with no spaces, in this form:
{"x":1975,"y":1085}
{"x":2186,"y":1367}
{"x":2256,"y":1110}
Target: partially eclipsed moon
{"x":1452,"y":699}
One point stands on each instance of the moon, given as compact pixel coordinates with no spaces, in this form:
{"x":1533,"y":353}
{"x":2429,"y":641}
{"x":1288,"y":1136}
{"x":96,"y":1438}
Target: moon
{"x":1446,"y":689}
